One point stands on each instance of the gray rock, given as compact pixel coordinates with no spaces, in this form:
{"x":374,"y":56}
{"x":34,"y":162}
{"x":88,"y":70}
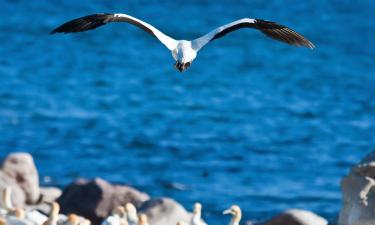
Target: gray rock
{"x":21,"y":168}
{"x":49,"y":194}
{"x":297,"y":217}
{"x":164,"y":211}
{"x":358,"y":189}
{"x":95,"y":199}
{"x":18,"y":196}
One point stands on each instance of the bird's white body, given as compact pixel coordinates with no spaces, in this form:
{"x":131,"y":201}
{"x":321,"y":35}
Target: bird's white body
{"x":118,"y":217}
{"x":196,"y":218}
{"x":131,"y":214}
{"x":112,"y":220}
{"x":184,"y":52}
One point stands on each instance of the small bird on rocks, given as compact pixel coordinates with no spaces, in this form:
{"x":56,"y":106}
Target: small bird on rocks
{"x":131,"y":214}
{"x":236,"y":213}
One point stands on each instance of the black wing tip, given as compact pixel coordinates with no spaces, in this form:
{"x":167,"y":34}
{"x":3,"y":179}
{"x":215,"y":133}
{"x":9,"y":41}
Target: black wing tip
{"x":294,"y":39}
{"x":82,"y":24}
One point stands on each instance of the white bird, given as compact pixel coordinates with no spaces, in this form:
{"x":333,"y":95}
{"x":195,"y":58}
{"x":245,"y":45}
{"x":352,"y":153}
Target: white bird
{"x":183,"y":51}
{"x":131,"y":213}
{"x":53,"y":216}
{"x":143,"y":220}
{"x":118,"y":217}
{"x":3,"y":221}
{"x":73,"y":219}
{"x":235,"y":210}
{"x":32,"y":216}
{"x":6,"y":200}
{"x":197,"y":214}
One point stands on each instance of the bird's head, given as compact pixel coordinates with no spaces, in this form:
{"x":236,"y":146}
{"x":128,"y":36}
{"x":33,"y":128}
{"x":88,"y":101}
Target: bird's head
{"x":180,"y":66}
{"x":235,"y":210}
{"x":197,"y":208}
{"x":73,"y":219}
{"x":142,"y":219}
{"x":20,"y":213}
{"x":184,"y":55}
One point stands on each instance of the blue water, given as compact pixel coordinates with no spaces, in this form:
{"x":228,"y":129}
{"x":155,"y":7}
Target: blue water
{"x":252,"y":122}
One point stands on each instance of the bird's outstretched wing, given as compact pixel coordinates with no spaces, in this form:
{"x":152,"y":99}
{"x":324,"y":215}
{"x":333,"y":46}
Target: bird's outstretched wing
{"x":93,"y":21}
{"x":271,"y":29}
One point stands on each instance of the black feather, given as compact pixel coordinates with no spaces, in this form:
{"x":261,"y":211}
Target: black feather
{"x":84,"y":23}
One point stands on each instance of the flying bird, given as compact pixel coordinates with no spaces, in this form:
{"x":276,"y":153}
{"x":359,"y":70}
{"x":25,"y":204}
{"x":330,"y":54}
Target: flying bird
{"x":183,"y":51}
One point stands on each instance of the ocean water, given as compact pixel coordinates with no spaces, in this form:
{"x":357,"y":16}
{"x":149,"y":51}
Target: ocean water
{"x":253,"y":122}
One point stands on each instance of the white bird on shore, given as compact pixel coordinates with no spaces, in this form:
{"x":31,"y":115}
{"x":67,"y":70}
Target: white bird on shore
{"x":143,"y":220}
{"x":196,"y":219}
{"x":53,"y":216}
{"x":3,"y":221}
{"x":236,"y":213}
{"x":73,"y":219}
{"x":118,"y":217}
{"x":131,"y":214}
{"x":6,"y":201}
{"x":183,"y":51}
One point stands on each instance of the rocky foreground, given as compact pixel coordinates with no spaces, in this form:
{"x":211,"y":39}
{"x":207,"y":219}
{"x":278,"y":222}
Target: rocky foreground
{"x":96,"y":199}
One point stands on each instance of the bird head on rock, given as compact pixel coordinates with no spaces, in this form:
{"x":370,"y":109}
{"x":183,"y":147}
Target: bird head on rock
{"x":236,"y":213}
{"x":6,"y":198}
{"x":3,"y":221}
{"x":19,"y":213}
{"x":53,"y":214}
{"x":131,"y":213}
{"x":73,"y":219}
{"x":120,"y":211}
{"x":143,"y":220}
{"x":197,"y":208}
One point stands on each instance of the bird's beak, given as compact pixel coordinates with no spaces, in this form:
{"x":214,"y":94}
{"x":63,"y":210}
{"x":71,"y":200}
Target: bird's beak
{"x":228,"y":211}
{"x":182,"y":66}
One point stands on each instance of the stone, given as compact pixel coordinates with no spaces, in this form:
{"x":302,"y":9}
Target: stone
{"x":49,"y":194}
{"x":358,"y":190}
{"x":297,"y":217}
{"x":18,"y":196}
{"x":95,"y":199}
{"x":21,"y":168}
{"x":164,"y":211}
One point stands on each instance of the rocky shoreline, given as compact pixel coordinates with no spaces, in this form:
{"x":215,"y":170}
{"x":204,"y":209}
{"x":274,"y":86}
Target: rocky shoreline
{"x":96,"y":199}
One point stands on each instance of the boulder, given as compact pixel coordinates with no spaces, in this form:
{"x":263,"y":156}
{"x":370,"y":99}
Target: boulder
{"x":18,"y":196}
{"x":21,"y":168}
{"x":49,"y":194}
{"x":297,"y":217}
{"x":358,"y":190}
{"x":164,"y":211}
{"x":95,"y":199}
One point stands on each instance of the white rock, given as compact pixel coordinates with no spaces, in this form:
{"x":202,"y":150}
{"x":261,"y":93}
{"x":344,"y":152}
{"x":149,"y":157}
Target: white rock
{"x":358,"y":189}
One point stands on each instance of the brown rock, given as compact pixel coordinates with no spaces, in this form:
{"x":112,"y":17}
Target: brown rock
{"x":297,"y":217}
{"x":21,"y":168}
{"x":95,"y":199}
